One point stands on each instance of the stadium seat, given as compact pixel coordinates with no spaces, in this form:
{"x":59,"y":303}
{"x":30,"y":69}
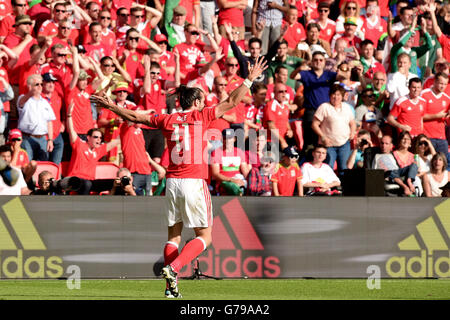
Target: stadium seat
{"x":106,"y":170}
{"x":48,"y":166}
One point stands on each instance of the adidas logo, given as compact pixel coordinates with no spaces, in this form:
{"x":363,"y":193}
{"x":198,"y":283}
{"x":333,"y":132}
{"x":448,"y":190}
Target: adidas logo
{"x":236,"y":249}
{"x":17,"y":228}
{"x":431,"y":240}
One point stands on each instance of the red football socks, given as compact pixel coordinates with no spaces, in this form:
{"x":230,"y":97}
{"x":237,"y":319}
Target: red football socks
{"x":190,"y":251}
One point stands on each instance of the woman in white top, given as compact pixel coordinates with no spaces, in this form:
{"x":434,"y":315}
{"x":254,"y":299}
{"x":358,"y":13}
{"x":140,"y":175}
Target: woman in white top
{"x":437,"y":177}
{"x":423,"y":152}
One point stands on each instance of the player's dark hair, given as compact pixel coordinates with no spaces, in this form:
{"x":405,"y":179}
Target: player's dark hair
{"x":319,"y":146}
{"x":440,"y":74}
{"x":337,"y":87}
{"x":252,"y":40}
{"x":312,"y":25}
{"x":414,"y":80}
{"x":155,"y":65}
{"x":402,"y":10}
{"x":93,"y":24}
{"x":92,"y":130}
{"x":366,"y":42}
{"x":130,"y":31}
{"x":187,"y":96}
{"x":104,"y":59}
{"x":5,"y":148}
{"x":258,"y":86}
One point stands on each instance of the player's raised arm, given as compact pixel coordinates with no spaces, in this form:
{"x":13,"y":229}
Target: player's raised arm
{"x":126,"y":114}
{"x":236,"y":96}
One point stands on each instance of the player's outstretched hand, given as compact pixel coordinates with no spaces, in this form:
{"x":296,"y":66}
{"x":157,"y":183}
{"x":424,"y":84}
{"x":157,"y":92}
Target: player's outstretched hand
{"x":257,"y":69}
{"x":102,"y":101}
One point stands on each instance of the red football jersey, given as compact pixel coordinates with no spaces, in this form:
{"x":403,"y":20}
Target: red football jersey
{"x":435,"y":104}
{"x":187,"y":145}
{"x":84,"y":160}
{"x":286,"y":178}
{"x":279,"y":114}
{"x":409,"y":113}
{"x":133,"y":149}
{"x":190,"y":55}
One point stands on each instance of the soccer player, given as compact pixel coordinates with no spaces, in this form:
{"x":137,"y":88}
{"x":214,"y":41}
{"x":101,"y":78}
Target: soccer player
{"x":187,"y":195}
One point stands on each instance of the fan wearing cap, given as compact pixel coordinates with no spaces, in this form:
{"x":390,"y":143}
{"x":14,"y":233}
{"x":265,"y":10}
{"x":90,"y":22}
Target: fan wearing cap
{"x":80,"y":92}
{"x":287,"y":175}
{"x":110,"y":121}
{"x":49,"y":93}
{"x":7,"y":24}
{"x":350,"y":9}
{"x":228,"y":165}
{"x":20,"y":42}
{"x":166,"y":58}
{"x":19,"y":156}
{"x":349,"y":35}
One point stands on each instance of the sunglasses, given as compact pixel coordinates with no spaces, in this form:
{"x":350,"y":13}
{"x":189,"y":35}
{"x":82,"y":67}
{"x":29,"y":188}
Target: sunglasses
{"x":351,"y":8}
{"x":154,"y":73}
{"x":133,"y":38}
{"x":370,"y":95}
{"x":282,"y":91}
{"x":60,"y":11}
{"x":21,"y":5}
{"x":122,"y":91}
{"x":124,"y":15}
{"x":221,"y":84}
{"x":39,"y":84}
{"x":108,"y":65}
{"x":105,"y":18}
{"x":16,"y":139}
{"x":323,"y":10}
{"x":96,"y":137}
{"x":232,"y":65}
{"x":62,"y":55}
{"x":194,"y":33}
{"x":138,"y":17}
{"x":423,"y":143}
{"x":64,"y":28}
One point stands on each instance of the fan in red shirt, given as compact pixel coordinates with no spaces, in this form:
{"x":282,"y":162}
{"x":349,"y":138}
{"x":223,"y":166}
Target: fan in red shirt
{"x":166,"y":58}
{"x":187,"y":170}
{"x":130,"y":57}
{"x":50,"y":27}
{"x":441,"y":65}
{"x":276,"y":116}
{"x":7,"y":26}
{"x":96,"y":49}
{"x":21,"y":38}
{"x":374,"y":26}
{"x":349,"y":36}
{"x":295,"y":32}
{"x":79,"y":95}
{"x":437,"y":111}
{"x":85,"y":155}
{"x":407,"y":112}
{"x":327,"y":26}
{"x":287,"y":176}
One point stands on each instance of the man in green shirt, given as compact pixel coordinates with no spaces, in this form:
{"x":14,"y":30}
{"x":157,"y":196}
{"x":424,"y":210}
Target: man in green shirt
{"x":289,"y":62}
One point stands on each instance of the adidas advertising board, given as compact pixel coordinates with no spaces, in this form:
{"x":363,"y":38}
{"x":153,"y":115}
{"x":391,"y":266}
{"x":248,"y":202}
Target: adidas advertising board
{"x":253,"y":237}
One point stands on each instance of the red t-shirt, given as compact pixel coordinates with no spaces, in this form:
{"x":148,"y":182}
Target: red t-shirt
{"x":133,"y":63}
{"x":327,"y":31}
{"x":190,"y":55}
{"x":373,"y":32}
{"x":286,"y":178}
{"x":166,"y":59}
{"x":290,"y":95}
{"x":82,"y":113}
{"x":184,"y":132}
{"x":22,"y":159}
{"x":48,"y":28}
{"x":56,"y":103}
{"x":133,"y":149}
{"x":6,"y":25}
{"x":279,"y":114}
{"x":155,"y":100}
{"x":294,"y":34}
{"x":98,"y":51}
{"x":11,"y":41}
{"x":5,"y":7}
{"x":435,"y":104}
{"x":445,"y":44}
{"x":63,"y":73}
{"x":4,"y":74}
{"x":410,"y":113}
{"x":84,"y":160}
{"x":430,"y":81}
{"x":232,"y":15}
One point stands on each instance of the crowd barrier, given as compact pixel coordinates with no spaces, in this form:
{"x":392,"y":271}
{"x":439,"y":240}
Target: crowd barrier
{"x":254,"y":237}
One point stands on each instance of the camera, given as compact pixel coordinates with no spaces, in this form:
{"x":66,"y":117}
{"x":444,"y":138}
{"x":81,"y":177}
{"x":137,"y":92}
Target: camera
{"x":363,"y":143}
{"x":124,"y":181}
{"x":62,"y":186}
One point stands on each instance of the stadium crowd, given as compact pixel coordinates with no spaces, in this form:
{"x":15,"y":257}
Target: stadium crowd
{"x":350,"y":85}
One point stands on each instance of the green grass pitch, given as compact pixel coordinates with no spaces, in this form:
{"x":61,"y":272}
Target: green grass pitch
{"x":229,"y":289}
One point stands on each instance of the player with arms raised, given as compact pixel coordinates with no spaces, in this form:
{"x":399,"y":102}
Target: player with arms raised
{"x":187,"y":195}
